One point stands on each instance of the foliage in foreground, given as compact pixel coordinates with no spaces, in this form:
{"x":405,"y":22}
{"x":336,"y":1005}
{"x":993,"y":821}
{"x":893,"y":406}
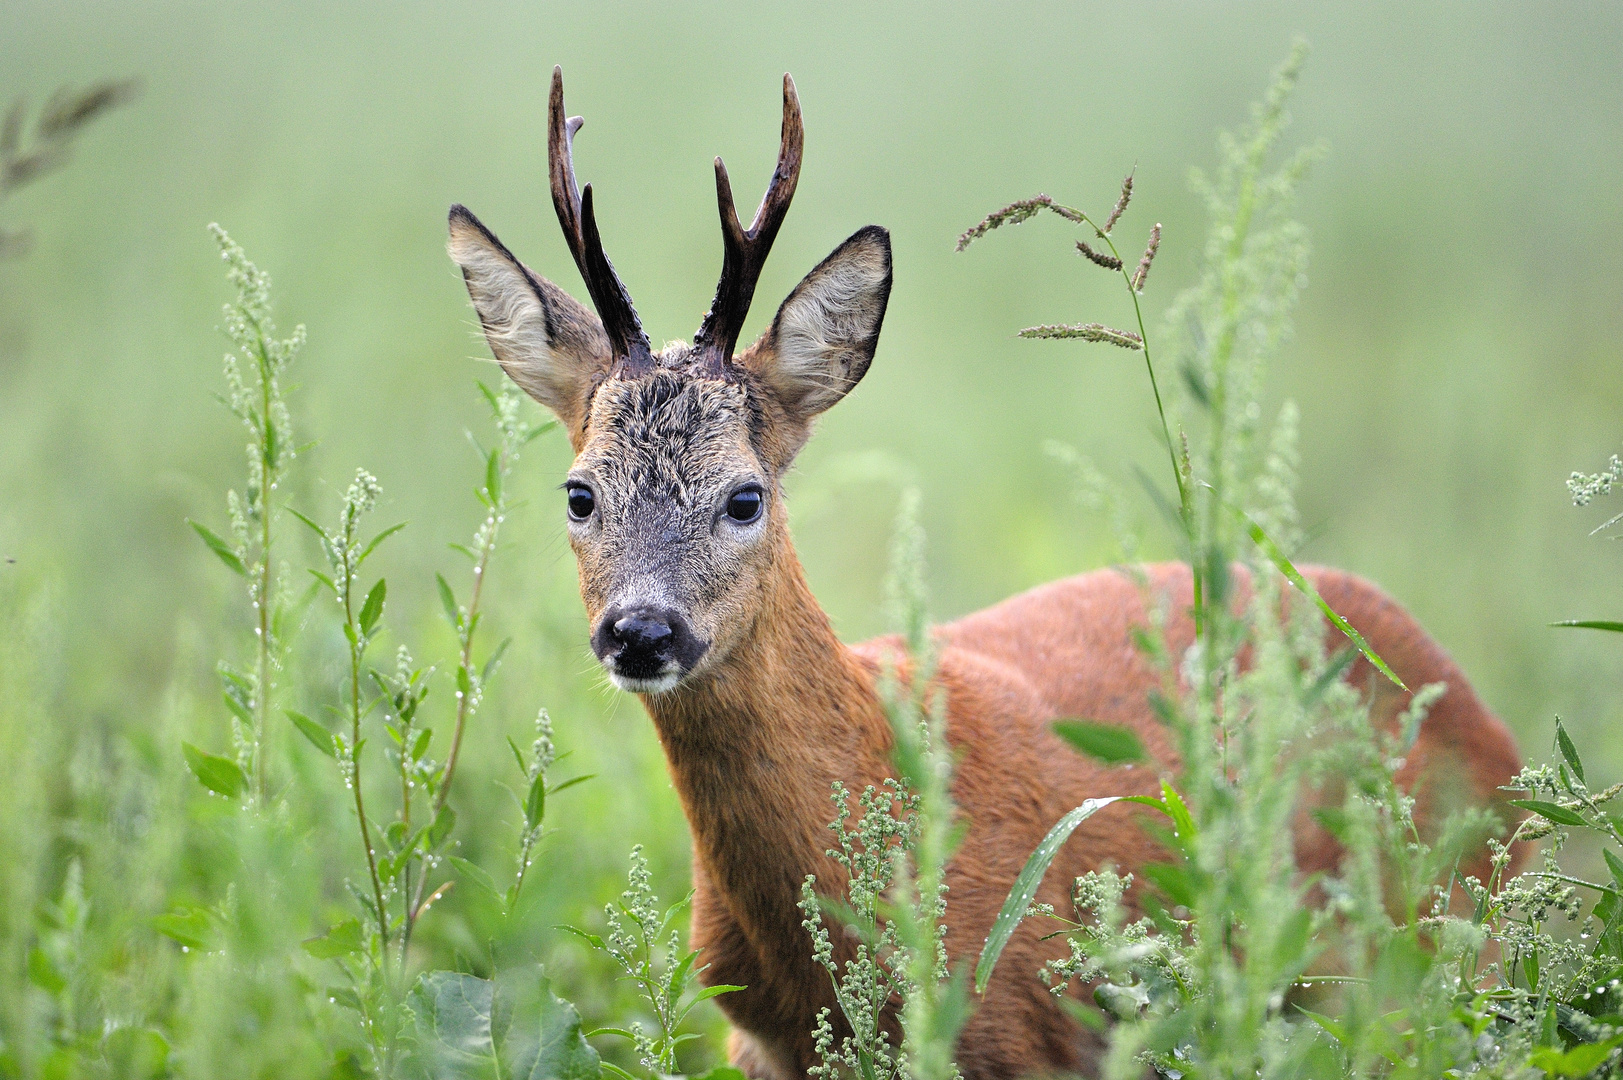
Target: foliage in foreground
{"x":1222,"y":967}
{"x":1211,"y":964}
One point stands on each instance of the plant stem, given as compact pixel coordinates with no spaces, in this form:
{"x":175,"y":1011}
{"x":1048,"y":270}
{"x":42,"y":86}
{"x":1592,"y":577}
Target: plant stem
{"x":355,"y":647}
{"x":268,"y":469}
{"x":1185,"y":507}
{"x":465,"y":701}
{"x":464,"y":704}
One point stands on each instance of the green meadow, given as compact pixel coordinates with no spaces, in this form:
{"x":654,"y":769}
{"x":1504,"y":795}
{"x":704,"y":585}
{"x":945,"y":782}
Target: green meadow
{"x":1456,"y":355}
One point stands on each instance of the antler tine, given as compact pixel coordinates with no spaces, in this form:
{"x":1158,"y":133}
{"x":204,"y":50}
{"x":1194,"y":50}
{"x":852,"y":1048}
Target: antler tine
{"x":579,"y":224}
{"x":744,"y":252}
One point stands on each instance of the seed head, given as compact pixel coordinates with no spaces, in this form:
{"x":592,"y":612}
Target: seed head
{"x":1014,"y":214}
{"x":1109,"y":262}
{"x":1087,"y":332}
{"x":1121,"y":204}
{"x":1143,"y":270}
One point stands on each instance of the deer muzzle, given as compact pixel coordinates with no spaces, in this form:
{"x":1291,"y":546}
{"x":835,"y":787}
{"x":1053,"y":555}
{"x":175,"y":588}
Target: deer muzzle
{"x":646,"y":649}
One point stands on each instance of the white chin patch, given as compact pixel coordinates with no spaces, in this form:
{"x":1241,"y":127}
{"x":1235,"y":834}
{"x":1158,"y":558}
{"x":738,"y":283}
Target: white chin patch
{"x":665,"y":680}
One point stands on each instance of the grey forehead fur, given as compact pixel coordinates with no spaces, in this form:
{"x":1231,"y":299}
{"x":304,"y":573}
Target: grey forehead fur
{"x":669,"y":434}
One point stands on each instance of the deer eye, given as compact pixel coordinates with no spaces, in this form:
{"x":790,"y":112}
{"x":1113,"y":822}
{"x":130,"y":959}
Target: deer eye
{"x":581,"y":501}
{"x":744,"y":505}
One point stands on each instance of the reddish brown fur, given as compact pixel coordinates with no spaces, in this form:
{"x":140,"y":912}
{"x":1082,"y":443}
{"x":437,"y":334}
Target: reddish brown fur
{"x":777,"y":709}
{"x":754,"y":748}
{"x":771,"y":708}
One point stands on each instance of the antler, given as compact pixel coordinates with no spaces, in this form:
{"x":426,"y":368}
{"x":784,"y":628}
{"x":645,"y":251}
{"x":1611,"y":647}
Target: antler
{"x":609,"y":296}
{"x":745,"y":251}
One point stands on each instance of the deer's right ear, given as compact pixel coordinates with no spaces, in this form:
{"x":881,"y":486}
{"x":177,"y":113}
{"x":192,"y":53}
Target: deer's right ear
{"x":546,"y":341}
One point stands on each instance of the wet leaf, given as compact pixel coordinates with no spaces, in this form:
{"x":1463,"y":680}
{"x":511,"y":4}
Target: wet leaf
{"x":218,"y":774}
{"x":319,"y":736}
{"x":342,"y":940}
{"x":1025,"y":888}
{"x":217,"y":544}
{"x":1110,"y":744}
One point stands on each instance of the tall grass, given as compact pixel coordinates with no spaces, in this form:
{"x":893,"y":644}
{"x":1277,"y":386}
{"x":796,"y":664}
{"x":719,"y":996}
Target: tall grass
{"x":277,"y":881}
{"x":1216,"y":977}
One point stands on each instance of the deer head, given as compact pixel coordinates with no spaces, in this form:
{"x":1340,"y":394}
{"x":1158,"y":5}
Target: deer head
{"x":674,"y":500}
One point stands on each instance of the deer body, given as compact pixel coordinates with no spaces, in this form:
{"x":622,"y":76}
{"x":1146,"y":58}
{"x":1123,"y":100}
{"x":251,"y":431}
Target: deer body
{"x":754,"y":749}
{"x":698,"y":603}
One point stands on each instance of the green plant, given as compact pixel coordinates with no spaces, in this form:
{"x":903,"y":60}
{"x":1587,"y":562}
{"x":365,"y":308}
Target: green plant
{"x":1214,"y":976}
{"x":645,"y":945}
{"x":400,"y":1014}
{"x":896,"y":859}
{"x":255,"y":397}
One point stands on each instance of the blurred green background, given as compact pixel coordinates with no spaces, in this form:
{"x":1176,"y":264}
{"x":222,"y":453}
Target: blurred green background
{"x":1457,"y":351}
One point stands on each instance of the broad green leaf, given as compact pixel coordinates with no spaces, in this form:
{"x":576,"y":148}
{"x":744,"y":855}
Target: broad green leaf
{"x":591,"y":939}
{"x":535,"y":804}
{"x":448,"y":601}
{"x":571,"y":782}
{"x":678,"y":976}
{"x":454,"y":1016}
{"x":136,"y":1053}
{"x":1615,"y":865}
{"x":347,"y":997}
{"x":218,"y":545}
{"x":1294,"y":576}
{"x":1182,"y":820}
{"x":1334,"y":1028}
{"x":477,"y":876}
{"x":1400,"y":965}
{"x":419,"y":745}
{"x":716,"y":991}
{"x":495,"y":661}
{"x":376,"y":540}
{"x":491,"y":398}
{"x":319,"y":736}
{"x":1568,"y":751}
{"x":191,"y":927}
{"x":1592,"y":624}
{"x":372,"y":609}
{"x":342,"y":940}
{"x":317,"y":529}
{"x":1581,"y":1060}
{"x":1025,"y":887}
{"x":1122,"y":1002}
{"x":235,"y":702}
{"x":1291,"y":948}
{"x":1110,"y":744}
{"x":544,"y":1041}
{"x":1334,"y":821}
{"x":216,"y":773}
{"x":493,"y":477}
{"x":1551,"y":812}
{"x":444,"y":822}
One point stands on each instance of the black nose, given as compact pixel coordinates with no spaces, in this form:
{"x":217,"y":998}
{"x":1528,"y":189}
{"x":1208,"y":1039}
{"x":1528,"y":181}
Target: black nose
{"x":644,"y":642}
{"x":642,"y":630}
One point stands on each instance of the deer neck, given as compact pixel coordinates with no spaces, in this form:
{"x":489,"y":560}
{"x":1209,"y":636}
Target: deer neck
{"x":755,"y":745}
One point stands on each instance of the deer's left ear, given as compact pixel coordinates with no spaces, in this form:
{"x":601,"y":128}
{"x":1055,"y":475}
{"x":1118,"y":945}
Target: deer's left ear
{"x":823,"y":339}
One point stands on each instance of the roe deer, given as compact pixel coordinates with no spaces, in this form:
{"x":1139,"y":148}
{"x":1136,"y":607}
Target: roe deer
{"x":698,"y":604}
